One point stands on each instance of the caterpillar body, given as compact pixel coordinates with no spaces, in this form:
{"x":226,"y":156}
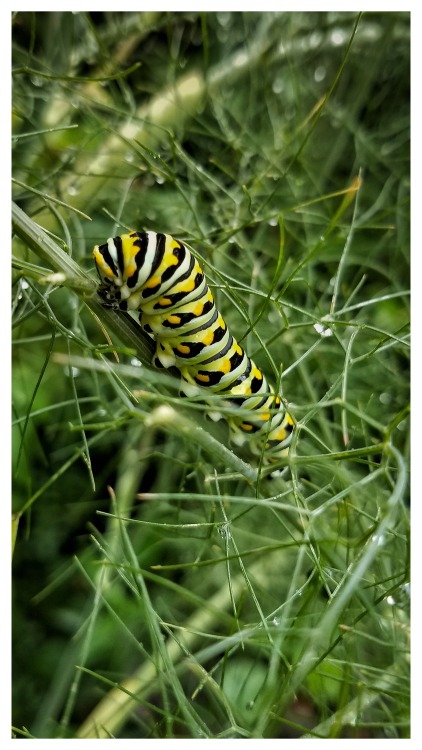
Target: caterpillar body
{"x":157,"y":277}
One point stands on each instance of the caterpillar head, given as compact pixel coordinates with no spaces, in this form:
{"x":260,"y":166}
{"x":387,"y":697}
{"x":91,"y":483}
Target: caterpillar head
{"x":108,"y":267}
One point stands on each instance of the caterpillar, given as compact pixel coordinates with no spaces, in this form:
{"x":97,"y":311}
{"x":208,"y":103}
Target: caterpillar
{"x":157,"y":277}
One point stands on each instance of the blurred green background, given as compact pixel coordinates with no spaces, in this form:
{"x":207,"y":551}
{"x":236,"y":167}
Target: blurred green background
{"x":277,"y":145}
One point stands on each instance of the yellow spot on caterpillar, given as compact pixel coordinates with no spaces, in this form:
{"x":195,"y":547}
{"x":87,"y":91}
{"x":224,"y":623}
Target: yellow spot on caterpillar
{"x":130,"y":270}
{"x":225,"y":366}
{"x":164,"y":302}
{"x":152,"y":282}
{"x":245,"y":426}
{"x":188,"y":286}
{"x":280,"y":435}
{"x":203,"y":378}
{"x":173,"y":319}
{"x":183,"y":349}
{"x":169,"y":259}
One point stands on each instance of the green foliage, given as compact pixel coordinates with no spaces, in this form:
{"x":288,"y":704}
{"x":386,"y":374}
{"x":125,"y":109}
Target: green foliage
{"x":165,"y":586}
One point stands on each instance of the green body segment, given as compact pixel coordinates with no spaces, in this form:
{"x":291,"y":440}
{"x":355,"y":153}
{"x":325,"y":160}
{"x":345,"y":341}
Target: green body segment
{"x":158,"y":278}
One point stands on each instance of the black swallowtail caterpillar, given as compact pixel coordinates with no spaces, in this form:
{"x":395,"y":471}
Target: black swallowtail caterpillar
{"x":159,"y":277}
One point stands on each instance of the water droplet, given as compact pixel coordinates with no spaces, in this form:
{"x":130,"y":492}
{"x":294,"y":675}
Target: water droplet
{"x":290,"y":113}
{"x":224,"y":19}
{"x":278,"y":85}
{"x":224,"y":531}
{"x":320,"y":73}
{"x":388,"y":148}
{"x":323,"y":330}
{"x":37,"y":80}
{"x":315,"y":39}
{"x":338,"y":37}
{"x":378,"y":539}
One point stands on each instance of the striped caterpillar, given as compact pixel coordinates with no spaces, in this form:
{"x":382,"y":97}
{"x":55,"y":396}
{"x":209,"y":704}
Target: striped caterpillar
{"x":157,"y":276}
